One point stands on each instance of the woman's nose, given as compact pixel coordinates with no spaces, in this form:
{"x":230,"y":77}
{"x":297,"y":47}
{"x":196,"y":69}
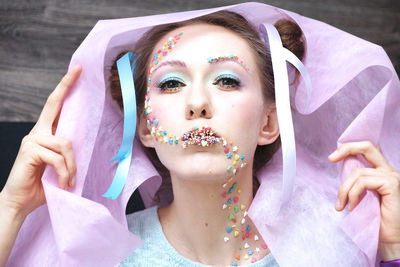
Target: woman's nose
{"x":198,"y":104}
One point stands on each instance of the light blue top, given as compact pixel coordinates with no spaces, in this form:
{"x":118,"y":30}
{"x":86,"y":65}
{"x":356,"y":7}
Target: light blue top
{"x":157,"y":251}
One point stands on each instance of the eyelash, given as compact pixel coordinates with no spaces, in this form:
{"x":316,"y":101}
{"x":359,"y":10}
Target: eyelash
{"x":227,"y":77}
{"x":164,"y":82}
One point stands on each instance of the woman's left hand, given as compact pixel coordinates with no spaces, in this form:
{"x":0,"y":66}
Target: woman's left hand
{"x":382,"y":178}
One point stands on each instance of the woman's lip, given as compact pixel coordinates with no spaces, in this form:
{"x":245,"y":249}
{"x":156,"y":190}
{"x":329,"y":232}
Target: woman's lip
{"x":201,"y":137}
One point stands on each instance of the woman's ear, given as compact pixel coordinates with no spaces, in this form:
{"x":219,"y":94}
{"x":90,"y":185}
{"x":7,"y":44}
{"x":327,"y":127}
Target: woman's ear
{"x":144,"y":132}
{"x":269,"y":130}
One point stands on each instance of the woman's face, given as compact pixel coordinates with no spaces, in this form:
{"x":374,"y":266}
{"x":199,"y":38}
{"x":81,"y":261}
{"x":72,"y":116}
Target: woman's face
{"x":188,"y":89}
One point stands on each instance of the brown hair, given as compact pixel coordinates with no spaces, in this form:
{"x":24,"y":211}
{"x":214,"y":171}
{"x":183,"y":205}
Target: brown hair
{"x":292,"y":39}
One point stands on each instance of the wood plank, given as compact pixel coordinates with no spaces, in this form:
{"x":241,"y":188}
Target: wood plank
{"x":38,"y":38}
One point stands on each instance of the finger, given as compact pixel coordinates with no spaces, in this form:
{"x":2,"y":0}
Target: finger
{"x":41,"y":155}
{"x":348,"y":184}
{"x":55,"y":100}
{"x":360,"y":186}
{"x":61,"y":146}
{"x":366,"y":148}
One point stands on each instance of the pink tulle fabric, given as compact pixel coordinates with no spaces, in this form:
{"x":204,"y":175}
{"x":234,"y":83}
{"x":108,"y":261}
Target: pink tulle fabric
{"x":355,"y":97}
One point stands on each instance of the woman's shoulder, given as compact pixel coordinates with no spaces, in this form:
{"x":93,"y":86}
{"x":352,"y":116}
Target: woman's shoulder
{"x":145,"y":224}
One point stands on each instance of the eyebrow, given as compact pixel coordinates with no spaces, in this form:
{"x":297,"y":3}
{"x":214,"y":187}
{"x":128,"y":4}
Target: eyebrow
{"x":170,"y":63}
{"x":209,"y":60}
{"x":229,"y":58}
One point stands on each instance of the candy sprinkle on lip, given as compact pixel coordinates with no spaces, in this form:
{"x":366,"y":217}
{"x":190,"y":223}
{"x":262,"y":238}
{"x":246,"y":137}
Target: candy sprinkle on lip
{"x":201,"y":137}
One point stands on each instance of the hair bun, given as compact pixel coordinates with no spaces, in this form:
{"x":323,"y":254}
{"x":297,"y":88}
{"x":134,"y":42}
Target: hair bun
{"x":291,"y":36}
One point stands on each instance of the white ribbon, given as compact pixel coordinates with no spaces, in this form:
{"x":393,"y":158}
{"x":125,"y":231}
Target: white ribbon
{"x":279,"y":56}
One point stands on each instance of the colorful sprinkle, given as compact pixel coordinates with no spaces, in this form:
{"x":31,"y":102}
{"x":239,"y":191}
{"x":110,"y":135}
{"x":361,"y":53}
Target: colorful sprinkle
{"x":226,"y":239}
{"x":236,"y":233}
{"x":203,"y":137}
{"x":255,"y":237}
{"x":248,"y":228}
{"x":246,"y":257}
{"x":264,"y":246}
{"x":234,"y":263}
{"x":250,"y":252}
{"x":237,"y":256}
{"x":246,"y":245}
{"x":242,"y":207}
{"x":235,"y":199}
{"x":231,"y":216}
{"x":229,"y":58}
{"x":228,"y":229}
{"x":226,"y":149}
{"x":229,"y":155}
{"x":229,"y":201}
{"x":253,"y":260}
{"x":229,"y":168}
{"x":237,"y":209}
{"x":224,"y":206}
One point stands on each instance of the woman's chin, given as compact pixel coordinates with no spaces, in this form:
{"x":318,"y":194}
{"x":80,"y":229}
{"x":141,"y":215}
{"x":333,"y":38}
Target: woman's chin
{"x":201,"y":166}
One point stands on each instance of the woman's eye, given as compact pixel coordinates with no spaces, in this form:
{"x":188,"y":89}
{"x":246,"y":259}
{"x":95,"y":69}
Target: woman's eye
{"x":171,"y":86}
{"x":227,"y":83}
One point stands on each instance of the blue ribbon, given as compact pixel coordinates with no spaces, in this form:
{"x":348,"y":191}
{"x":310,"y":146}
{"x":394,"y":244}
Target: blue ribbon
{"x":126,"y":72}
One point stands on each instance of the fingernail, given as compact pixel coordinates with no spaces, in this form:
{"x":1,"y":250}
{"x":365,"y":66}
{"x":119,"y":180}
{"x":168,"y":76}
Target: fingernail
{"x":337,"y":205}
{"x":334,"y":154}
{"x":73,"y":180}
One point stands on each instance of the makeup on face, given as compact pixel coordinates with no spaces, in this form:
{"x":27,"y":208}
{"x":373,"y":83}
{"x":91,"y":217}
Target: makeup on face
{"x":172,"y":77}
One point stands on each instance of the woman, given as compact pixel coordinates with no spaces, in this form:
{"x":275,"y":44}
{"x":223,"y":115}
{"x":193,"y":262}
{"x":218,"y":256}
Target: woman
{"x":229,"y":93}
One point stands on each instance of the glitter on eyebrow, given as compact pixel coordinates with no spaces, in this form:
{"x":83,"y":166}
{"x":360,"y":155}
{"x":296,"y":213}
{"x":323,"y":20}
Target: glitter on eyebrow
{"x":213,"y":60}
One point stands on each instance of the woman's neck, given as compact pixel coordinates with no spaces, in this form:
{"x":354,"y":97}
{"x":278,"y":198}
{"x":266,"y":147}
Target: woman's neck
{"x":207,"y":220}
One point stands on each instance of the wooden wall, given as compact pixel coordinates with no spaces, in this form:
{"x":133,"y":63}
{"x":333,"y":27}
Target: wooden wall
{"x":38,"y":37}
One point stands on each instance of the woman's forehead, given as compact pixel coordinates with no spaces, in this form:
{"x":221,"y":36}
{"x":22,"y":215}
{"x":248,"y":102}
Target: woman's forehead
{"x":201,"y":42}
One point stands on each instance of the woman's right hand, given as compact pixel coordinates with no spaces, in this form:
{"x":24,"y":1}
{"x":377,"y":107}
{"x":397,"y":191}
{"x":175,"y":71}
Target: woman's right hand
{"x":23,"y":190}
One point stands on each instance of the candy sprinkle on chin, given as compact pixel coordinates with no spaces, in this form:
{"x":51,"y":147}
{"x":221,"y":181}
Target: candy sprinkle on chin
{"x":200,"y":137}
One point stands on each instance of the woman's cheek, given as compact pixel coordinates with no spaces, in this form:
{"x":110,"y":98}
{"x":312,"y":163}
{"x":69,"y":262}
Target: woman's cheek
{"x":165,"y":110}
{"x":247,"y":110}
